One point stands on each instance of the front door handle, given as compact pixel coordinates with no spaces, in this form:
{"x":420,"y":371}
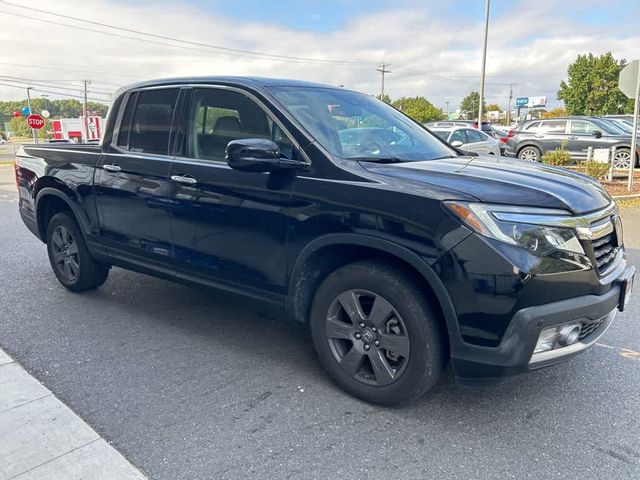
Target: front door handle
{"x":112,"y":167}
{"x":573,"y":137}
{"x":184,"y":179}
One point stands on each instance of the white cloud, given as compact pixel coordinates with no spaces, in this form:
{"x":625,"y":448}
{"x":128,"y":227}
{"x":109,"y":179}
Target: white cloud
{"x":529,"y":44}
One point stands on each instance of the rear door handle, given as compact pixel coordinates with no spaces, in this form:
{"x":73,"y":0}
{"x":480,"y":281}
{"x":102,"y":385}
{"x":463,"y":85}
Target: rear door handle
{"x":112,"y":167}
{"x":572,"y":137}
{"x":184,"y":179}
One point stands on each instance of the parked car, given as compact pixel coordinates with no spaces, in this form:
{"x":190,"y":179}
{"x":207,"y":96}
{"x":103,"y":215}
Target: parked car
{"x":534,"y":138}
{"x":487,"y":127}
{"x":502,"y":136}
{"x":402,"y":256}
{"x":468,"y":140}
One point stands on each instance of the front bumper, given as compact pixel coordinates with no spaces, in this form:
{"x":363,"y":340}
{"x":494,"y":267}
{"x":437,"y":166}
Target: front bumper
{"x":515,"y":355}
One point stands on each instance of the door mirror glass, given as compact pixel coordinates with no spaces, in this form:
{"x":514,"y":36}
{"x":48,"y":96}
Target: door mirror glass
{"x":456,"y":143}
{"x":597,"y":133}
{"x":254,"y":155}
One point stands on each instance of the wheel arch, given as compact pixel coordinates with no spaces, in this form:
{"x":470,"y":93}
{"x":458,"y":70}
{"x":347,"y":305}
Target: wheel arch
{"x":328,"y":253}
{"x":54,"y":199}
{"x":530,"y":144}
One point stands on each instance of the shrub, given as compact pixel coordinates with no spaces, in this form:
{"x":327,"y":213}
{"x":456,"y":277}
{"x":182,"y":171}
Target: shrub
{"x":594,"y":169}
{"x":558,"y":157}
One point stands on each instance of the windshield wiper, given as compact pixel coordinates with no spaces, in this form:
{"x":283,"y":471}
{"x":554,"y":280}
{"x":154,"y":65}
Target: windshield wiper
{"x":379,"y":159}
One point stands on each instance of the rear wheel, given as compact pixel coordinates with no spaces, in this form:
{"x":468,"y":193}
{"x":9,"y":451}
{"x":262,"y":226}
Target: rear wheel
{"x":376,"y":334}
{"x":530,"y":153}
{"x":70,"y":259}
{"x":622,"y":159}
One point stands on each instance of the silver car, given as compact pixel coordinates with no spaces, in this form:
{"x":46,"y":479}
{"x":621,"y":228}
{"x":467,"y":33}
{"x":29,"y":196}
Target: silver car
{"x":468,"y":139}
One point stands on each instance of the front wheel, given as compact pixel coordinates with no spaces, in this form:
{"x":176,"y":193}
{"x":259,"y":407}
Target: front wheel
{"x":376,"y":333}
{"x":70,"y":259}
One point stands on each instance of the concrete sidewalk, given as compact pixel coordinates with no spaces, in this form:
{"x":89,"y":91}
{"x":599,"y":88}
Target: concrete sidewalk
{"x":41,"y":438}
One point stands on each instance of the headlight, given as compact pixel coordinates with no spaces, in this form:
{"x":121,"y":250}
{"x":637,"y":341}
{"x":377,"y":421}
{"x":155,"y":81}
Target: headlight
{"x":528,"y":228}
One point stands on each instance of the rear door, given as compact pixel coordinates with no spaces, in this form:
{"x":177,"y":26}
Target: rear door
{"x":551,"y":134}
{"x":229,"y":227}
{"x":133,"y":190}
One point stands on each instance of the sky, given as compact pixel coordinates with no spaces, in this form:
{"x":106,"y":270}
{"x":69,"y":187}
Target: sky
{"x":433,"y":46}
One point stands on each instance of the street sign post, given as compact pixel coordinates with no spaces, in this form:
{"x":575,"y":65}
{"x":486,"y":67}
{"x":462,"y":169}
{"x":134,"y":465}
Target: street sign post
{"x":35,"y":121}
{"x":629,"y":83}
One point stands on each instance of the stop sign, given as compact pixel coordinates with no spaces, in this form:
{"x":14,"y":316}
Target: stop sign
{"x":35,"y":121}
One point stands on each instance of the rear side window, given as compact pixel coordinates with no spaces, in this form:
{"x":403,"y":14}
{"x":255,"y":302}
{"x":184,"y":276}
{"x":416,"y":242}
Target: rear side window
{"x":553,"y":126}
{"x":533,"y":126}
{"x":458,"y":136}
{"x":151,"y":123}
{"x":125,"y":125}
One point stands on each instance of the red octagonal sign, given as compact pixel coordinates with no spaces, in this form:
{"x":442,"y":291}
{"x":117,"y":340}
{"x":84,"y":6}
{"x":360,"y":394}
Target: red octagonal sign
{"x":35,"y":121}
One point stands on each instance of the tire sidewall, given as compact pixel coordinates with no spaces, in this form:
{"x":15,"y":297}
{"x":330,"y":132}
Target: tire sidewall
{"x":425,"y":338}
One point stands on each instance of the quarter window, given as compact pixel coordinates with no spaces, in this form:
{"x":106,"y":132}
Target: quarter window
{"x":218,"y":116}
{"x":151,"y":124}
{"x":458,"y":136}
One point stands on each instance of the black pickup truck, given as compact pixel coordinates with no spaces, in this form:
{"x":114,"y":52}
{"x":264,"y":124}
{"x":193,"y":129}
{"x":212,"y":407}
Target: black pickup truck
{"x":402,"y":253}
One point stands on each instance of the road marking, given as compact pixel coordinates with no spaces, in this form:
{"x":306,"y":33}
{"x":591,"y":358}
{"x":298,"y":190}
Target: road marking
{"x":605,"y":346}
{"x":626,"y":353}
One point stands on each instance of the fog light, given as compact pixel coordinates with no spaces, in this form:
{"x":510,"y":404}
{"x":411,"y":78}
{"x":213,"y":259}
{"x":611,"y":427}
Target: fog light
{"x":557,"y":336}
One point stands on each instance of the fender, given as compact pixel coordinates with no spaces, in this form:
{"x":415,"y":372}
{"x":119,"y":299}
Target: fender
{"x":386,"y":246}
{"x":70,"y":199}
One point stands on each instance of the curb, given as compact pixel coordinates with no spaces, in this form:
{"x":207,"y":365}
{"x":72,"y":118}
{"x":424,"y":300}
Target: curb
{"x":626,"y":197}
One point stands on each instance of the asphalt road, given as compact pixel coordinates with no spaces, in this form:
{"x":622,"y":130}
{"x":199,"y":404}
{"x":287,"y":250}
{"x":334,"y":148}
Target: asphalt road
{"x":194,"y":384}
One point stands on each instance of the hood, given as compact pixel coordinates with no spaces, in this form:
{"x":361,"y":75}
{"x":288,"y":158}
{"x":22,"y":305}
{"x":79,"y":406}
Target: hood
{"x":504,"y":180}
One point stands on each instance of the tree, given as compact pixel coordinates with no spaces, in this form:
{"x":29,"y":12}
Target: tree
{"x":385,"y":98}
{"x":592,"y":86}
{"x":419,"y":108}
{"x":554,"y":113}
{"x":470,"y":104}
{"x":493,"y":107}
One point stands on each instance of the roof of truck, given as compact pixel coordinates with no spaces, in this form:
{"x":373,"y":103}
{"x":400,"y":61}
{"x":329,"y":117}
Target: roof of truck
{"x":254,"y":82}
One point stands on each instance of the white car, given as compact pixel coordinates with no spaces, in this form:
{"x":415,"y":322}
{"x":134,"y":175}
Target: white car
{"x":468,"y":139}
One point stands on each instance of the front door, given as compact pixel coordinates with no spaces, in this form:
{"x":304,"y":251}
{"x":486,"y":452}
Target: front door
{"x":581,"y":138}
{"x":228,"y":226}
{"x":133,"y":190}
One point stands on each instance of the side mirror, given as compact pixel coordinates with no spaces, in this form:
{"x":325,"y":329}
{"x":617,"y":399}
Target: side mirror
{"x":597,"y":133}
{"x":456,"y":143}
{"x":255,"y":155}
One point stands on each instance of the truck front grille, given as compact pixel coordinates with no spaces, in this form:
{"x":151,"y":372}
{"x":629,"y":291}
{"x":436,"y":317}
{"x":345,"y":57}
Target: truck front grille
{"x":605,"y":251}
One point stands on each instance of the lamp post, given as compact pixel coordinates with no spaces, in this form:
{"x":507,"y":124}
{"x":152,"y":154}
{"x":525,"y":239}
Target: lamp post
{"x":484,"y":62}
{"x":33,"y":130}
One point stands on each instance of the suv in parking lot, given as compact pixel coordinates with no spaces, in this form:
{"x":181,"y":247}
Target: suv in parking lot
{"x":534,"y":138}
{"x":399,"y":252}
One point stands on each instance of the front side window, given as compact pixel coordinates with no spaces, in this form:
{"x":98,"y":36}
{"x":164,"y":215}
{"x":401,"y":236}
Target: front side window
{"x":218,"y":116}
{"x":473,"y":136}
{"x":356,"y":126}
{"x":458,"y":136}
{"x":582,"y":127}
{"x":151,"y":123}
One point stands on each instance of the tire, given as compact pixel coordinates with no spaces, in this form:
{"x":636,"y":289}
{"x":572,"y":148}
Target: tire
{"x":622,"y":159}
{"x":530,"y":153}
{"x":70,"y":259}
{"x":395,"y":313}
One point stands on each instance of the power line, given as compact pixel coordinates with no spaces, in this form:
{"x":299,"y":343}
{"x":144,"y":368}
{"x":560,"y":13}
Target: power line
{"x":62,"y":94}
{"x":75,"y":70}
{"x":49,"y":84}
{"x":220,"y":48}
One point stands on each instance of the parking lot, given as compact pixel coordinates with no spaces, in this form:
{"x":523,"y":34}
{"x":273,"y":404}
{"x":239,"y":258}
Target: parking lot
{"x":190,"y":384}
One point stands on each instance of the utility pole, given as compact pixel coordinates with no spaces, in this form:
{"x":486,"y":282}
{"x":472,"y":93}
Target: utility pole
{"x":509,"y":108}
{"x":383,"y":70}
{"x":33,"y":130}
{"x":85,"y":112}
{"x":446,"y":108}
{"x":484,"y":63}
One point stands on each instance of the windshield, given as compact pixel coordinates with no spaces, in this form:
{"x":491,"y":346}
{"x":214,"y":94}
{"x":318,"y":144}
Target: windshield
{"x":359,"y":127}
{"x":619,"y":124}
{"x":608,"y":127}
